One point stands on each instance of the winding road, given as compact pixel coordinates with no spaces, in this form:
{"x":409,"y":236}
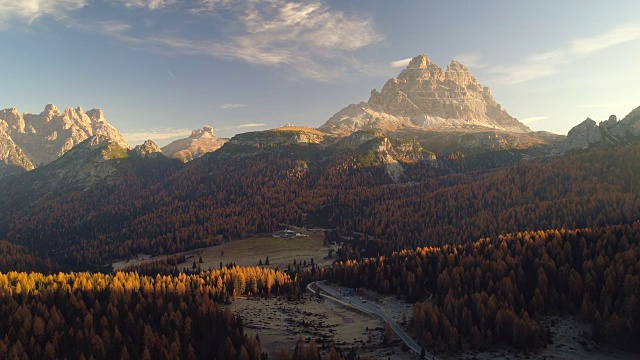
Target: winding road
{"x":369,"y":308}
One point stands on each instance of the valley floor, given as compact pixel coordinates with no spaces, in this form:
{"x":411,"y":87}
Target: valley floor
{"x":279,"y":323}
{"x":280,"y":250}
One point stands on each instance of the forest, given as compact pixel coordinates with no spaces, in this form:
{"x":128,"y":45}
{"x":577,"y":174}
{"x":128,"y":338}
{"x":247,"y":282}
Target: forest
{"x":497,"y":249}
{"x":491,"y":291}
{"x":220,"y":199}
{"x":132,"y":316}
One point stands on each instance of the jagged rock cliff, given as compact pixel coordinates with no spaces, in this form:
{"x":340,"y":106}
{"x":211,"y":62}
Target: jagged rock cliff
{"x":200,"y":142}
{"x":148,"y":149}
{"x":608,"y":132}
{"x":12,"y":158}
{"x":424,"y":96}
{"x":45,"y":137}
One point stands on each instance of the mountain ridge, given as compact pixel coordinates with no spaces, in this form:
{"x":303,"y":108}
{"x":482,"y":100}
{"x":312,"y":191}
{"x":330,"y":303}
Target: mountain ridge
{"x":608,"y":132}
{"x":45,"y":137}
{"x":424,"y":96}
{"x":200,"y":142}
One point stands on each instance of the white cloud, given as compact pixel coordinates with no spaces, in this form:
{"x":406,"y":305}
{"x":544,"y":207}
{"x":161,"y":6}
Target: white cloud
{"x":249,"y":125}
{"x":470,"y":60}
{"x":29,"y":10}
{"x":618,"y":35}
{"x":133,"y":136}
{"x":533,"y":119}
{"x":401,"y":63}
{"x":232,"y":106}
{"x":550,"y":62}
{"x":149,"y":4}
{"x":308,"y":37}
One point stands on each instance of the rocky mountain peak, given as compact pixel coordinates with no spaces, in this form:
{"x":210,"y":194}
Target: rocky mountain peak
{"x":419,"y":62}
{"x":13,"y":119}
{"x":200,"y":142}
{"x":148,"y":149}
{"x":47,"y":136}
{"x":95,"y":142}
{"x":50,"y":111}
{"x":424,"y":96}
{"x":611,"y":131}
{"x":96,"y":115}
{"x":206,"y":132}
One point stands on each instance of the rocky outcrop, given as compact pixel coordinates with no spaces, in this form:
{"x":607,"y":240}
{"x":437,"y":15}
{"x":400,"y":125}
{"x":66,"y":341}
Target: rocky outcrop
{"x":358,"y":138}
{"x":148,"y":149}
{"x":276,"y":137}
{"x":47,"y":136}
{"x":424,"y":96}
{"x":12,"y":158}
{"x":609,"y":132}
{"x":200,"y":142}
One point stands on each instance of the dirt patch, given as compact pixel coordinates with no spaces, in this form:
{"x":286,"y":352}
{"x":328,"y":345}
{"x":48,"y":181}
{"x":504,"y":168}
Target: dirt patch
{"x":279,"y":323}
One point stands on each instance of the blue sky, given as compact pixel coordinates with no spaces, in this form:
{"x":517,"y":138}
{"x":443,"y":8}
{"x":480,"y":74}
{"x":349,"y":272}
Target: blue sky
{"x":159,"y":68}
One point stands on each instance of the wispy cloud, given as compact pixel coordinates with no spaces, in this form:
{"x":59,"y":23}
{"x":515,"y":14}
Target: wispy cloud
{"x":470,"y":60}
{"x":149,"y":4}
{"x":401,"y":63}
{"x":32,"y":9}
{"x":550,"y":62}
{"x":308,"y":38}
{"x":530,"y":120}
{"x":304,"y":38}
{"x":249,"y":125}
{"x":232,"y":106}
{"x":618,"y":35}
{"x":134,"y":136}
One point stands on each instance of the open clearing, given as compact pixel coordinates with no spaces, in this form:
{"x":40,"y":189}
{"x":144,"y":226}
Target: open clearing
{"x":279,"y":323}
{"x":248,"y":252}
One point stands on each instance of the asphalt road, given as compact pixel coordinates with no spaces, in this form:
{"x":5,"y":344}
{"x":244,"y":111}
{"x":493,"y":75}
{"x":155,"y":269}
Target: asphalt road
{"x":369,"y":308}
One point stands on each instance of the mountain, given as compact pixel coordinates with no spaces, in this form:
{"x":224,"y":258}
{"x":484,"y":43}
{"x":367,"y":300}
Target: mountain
{"x":148,"y":149}
{"x":424,"y":96}
{"x":609,"y":132}
{"x":12,"y":158}
{"x":200,"y":142}
{"x":96,"y":162}
{"x":45,"y":137}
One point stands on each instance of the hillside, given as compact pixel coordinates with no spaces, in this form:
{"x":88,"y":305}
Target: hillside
{"x":233,"y":193}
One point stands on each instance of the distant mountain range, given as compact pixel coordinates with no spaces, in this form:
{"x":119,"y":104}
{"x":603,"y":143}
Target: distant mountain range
{"x":31,"y":140}
{"x":443,"y":111}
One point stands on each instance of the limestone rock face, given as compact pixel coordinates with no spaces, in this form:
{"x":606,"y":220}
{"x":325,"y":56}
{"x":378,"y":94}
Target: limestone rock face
{"x":582,"y":135}
{"x":200,"y":142}
{"x":608,"y":132}
{"x":12,"y":158}
{"x":148,"y":149}
{"x":47,"y":136}
{"x":424,"y":96}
